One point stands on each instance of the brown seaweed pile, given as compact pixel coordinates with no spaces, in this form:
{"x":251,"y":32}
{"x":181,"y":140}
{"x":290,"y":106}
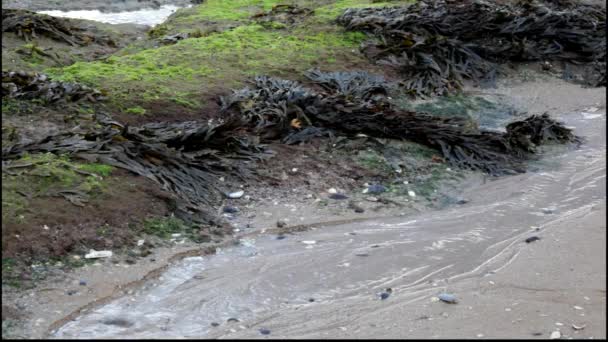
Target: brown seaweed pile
{"x":435,"y":45}
{"x":24,"y":85}
{"x":30,"y":25}
{"x":188,"y":158}
{"x":355,"y":103}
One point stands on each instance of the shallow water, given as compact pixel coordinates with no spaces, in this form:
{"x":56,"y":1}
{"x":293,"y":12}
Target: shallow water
{"x":149,"y":17}
{"x":345,"y":266}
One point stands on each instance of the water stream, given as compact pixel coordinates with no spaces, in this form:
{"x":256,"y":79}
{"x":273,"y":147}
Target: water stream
{"x":147,"y":16}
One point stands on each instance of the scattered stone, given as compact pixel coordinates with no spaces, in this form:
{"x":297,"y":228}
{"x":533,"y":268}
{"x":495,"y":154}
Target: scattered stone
{"x":130,"y":261}
{"x":264,"y":331}
{"x":532,"y":239}
{"x":93,"y":254}
{"x":376,"y":189}
{"x":548,"y":210}
{"x":362,"y":254}
{"x":332,"y":191}
{"x":579,"y":327}
{"x":215,"y":324}
{"x":281,"y":223}
{"x":448,"y":298}
{"x":121,"y":322}
{"x":232,"y":319}
{"x":537,"y":334}
{"x":338,"y":196}
{"x":384,"y":295}
{"x":71,"y":292}
{"x":82,"y":283}
{"x":576,"y":307}
{"x":559,"y":324}
{"x":294,"y":170}
{"x":372,"y":199}
{"x":555,"y":335}
{"x":230,"y":209}
{"x":176,"y":235}
{"x":280,"y":237}
{"x":411,"y":193}
{"x":461,"y":200}
{"x":310,"y":300}
{"x":140,"y":242}
{"x":236,"y":194}
{"x":309,"y":242}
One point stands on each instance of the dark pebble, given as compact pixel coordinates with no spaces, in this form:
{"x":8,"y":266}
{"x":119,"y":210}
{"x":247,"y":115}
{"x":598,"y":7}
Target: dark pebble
{"x":71,"y":292}
{"x":130,"y":261}
{"x":215,"y":324}
{"x":311,"y":300}
{"x":338,"y":196}
{"x":532,"y":239}
{"x":281,"y":224}
{"x":264,"y":331}
{"x":376,"y":189}
{"x":537,"y":334}
{"x":362,"y":254}
{"x":384,"y":295}
{"x":281,"y":237}
{"x":462,"y":201}
{"x":389,"y":290}
{"x":359,"y":210}
{"x":82,"y":283}
{"x":232,"y":319}
{"x":230,"y":210}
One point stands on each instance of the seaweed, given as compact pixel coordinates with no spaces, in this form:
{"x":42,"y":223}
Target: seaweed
{"x":24,"y":85}
{"x":435,"y":45}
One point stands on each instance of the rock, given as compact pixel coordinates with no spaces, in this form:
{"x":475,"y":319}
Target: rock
{"x":362,"y":254}
{"x":264,"y":331}
{"x":548,"y":210}
{"x":384,"y":295}
{"x":93,"y":254}
{"x":236,"y":194}
{"x":532,"y":239}
{"x":376,"y":189}
{"x":461,"y":200}
{"x":281,"y":223}
{"x":82,"y":283}
{"x":230,"y":209}
{"x":578,"y":327}
{"x":140,"y":242}
{"x":332,"y":191}
{"x":356,"y":207}
{"x":71,"y":292}
{"x":338,"y":196}
{"x":411,"y":193}
{"x":232,"y":320}
{"x":447,"y":298}
{"x":215,"y":324}
{"x":555,"y":335}
{"x":280,"y":237}
{"x":372,"y":199}
{"x":130,"y":261}
{"x":309,"y":242}
{"x":310,"y":300}
{"x":121,"y":322}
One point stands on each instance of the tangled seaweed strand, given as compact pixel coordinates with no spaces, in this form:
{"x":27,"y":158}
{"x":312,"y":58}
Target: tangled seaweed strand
{"x":25,"y":85}
{"x":185,"y":158}
{"x":437,"y":44}
{"x":29,"y":25}
{"x":350,"y":108}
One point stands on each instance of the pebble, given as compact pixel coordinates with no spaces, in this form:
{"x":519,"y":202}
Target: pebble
{"x":578,"y":307}
{"x":280,"y":237}
{"x":71,"y":292}
{"x":236,"y":194}
{"x":82,"y":283}
{"x":461,"y":201}
{"x":264,"y":331}
{"x":311,"y":300}
{"x":140,"y":242}
{"x":555,"y":335}
{"x":376,"y":189}
{"x":215,"y":324}
{"x":447,"y":298}
{"x":372,"y":199}
{"x":332,"y":191}
{"x":230,"y":210}
{"x":309,"y":242}
{"x":411,"y":193}
{"x":232,"y":319}
{"x":532,"y":239}
{"x":548,"y":210}
{"x":384,"y":295}
{"x":578,"y":327}
{"x":480,"y":335}
{"x":338,"y":196}
{"x":281,"y":223}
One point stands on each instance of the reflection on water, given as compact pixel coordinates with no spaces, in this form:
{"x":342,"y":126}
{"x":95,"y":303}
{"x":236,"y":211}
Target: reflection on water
{"x":149,"y":17}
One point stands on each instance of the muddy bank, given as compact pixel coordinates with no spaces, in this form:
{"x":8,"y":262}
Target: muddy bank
{"x":105,"y":7}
